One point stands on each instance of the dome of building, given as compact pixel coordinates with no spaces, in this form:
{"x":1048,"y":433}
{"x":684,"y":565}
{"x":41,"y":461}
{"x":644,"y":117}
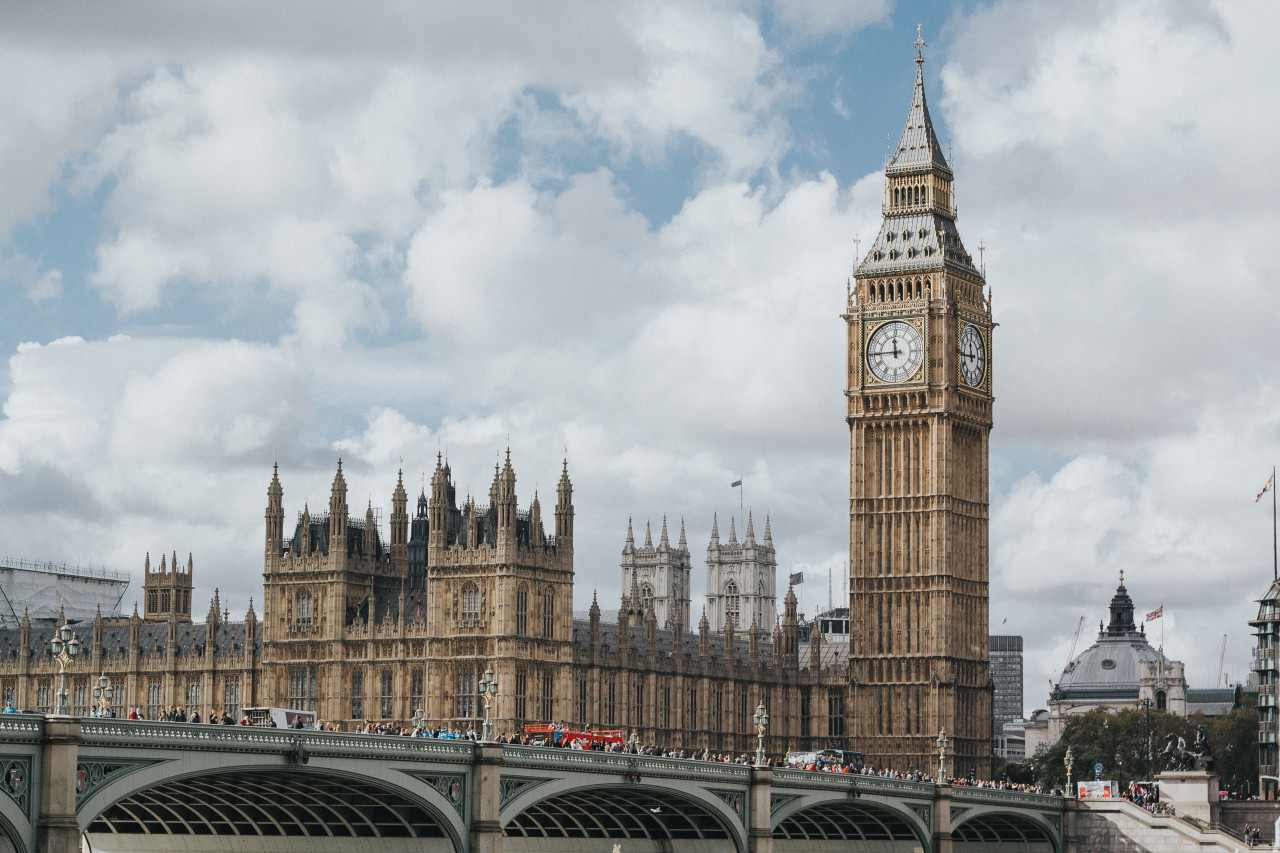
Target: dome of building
{"x":1110,"y":669}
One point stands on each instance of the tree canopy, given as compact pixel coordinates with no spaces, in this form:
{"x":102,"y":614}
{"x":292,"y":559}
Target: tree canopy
{"x":1118,"y":740}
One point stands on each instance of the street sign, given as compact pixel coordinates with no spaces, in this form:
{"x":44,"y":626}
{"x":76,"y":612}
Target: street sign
{"x":1097,"y":768}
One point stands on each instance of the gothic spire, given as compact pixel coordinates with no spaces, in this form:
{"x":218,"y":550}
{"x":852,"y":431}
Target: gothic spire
{"x":715,"y":529}
{"x":630,"y":547}
{"x":751,"y":531}
{"x":648,"y":537}
{"x":733,"y":533}
{"x":683,"y":544}
{"x":918,"y":149}
{"x":768,"y":536}
{"x":663,"y":542}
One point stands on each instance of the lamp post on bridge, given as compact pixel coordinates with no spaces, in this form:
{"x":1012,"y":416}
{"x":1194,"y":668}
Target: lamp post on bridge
{"x":1068,"y":760}
{"x":103,"y":693}
{"x":488,"y":690}
{"x":942,"y":757}
{"x":761,"y":719}
{"x":418,"y":720}
{"x":65,"y":647}
{"x":1146,"y":706}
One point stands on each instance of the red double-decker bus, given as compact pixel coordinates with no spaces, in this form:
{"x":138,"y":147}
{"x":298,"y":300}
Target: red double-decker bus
{"x":546,"y":734}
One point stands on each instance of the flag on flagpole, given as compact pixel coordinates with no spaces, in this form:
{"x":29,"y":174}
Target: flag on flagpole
{"x":1004,"y":621}
{"x":797,"y":577}
{"x":736,"y":483}
{"x":1155,"y":614}
{"x":1271,"y":482}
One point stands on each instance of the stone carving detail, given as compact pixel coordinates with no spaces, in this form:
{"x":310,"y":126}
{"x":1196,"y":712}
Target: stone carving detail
{"x":17,"y":782}
{"x":91,"y":774}
{"x":514,"y":786}
{"x":956,"y":811}
{"x":925,"y":813}
{"x":733,"y":799}
{"x":780,"y":801}
{"x":452,"y":788}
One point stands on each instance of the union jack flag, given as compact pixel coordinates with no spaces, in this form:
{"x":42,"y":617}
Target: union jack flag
{"x":1271,"y":482}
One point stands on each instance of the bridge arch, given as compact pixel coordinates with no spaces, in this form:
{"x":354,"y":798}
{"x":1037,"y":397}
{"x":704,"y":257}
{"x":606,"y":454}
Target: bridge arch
{"x":1004,"y":832}
{"x":837,"y":821}
{"x":668,"y":813}
{"x":256,"y":808}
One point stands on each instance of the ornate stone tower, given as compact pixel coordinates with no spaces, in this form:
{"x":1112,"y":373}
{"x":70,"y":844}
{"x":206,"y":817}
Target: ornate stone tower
{"x":919,"y":413}
{"x":167,"y":590}
{"x":660,"y":575}
{"x":742,"y":579}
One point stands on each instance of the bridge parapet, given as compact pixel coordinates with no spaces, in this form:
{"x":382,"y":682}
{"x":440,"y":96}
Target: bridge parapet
{"x":21,"y":728}
{"x":851,"y":782}
{"x":157,"y":735}
{"x":586,"y":761}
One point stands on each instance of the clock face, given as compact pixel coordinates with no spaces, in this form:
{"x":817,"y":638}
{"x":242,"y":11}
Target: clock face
{"x":895,"y":351}
{"x":973,"y":356}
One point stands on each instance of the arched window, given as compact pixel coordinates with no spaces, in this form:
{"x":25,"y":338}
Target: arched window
{"x":522,"y":609}
{"x":548,"y":613}
{"x":304,"y":608}
{"x":1161,"y":700}
{"x":731,"y":604}
{"x":646,"y":598}
{"x":164,"y":601}
{"x":470,"y":603}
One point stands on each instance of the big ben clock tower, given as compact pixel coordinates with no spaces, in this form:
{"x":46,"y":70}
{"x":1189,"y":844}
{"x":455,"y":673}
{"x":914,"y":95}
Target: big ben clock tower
{"x":919,"y":412}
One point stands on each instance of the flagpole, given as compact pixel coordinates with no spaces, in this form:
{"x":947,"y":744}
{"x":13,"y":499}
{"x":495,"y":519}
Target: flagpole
{"x":1275,"y":566}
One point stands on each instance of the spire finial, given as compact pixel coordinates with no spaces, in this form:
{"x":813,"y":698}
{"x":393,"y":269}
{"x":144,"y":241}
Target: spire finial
{"x":1122,"y":577}
{"x":920,"y":45}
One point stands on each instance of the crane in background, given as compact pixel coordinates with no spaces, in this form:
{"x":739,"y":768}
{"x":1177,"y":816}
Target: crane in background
{"x":1222,"y":656}
{"x":1071,"y":655}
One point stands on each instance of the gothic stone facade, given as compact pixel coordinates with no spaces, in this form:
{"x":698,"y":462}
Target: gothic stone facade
{"x":358,"y":628}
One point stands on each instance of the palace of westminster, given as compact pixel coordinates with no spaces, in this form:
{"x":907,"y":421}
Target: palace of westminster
{"x":360,"y":625}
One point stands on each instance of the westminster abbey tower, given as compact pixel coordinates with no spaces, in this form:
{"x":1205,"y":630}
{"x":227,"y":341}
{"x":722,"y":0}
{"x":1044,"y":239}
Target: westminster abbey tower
{"x":919,"y":413}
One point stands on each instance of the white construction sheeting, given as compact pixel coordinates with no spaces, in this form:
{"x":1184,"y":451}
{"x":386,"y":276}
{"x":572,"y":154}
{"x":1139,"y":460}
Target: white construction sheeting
{"x":41,"y":589}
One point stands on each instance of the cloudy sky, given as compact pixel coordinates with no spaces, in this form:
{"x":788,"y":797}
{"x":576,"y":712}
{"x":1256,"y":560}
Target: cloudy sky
{"x":239,"y":233}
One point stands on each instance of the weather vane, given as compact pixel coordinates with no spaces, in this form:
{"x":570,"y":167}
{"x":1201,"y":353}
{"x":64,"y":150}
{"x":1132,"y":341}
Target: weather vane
{"x":920,"y":45}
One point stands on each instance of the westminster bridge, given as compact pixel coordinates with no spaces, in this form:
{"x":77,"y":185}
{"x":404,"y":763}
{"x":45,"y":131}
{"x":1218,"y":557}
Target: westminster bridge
{"x":107,"y":785}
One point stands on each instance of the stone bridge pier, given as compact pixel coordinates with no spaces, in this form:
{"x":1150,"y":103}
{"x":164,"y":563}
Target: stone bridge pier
{"x":108,"y":786}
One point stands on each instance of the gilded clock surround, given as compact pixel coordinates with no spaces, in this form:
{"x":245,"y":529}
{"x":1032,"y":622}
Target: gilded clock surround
{"x":918,"y":493}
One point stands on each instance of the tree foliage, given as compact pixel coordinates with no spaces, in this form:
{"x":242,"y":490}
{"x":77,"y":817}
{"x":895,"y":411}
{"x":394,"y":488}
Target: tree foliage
{"x":1118,"y":740}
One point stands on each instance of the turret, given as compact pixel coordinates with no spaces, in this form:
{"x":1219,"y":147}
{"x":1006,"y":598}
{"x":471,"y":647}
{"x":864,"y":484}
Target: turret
{"x":338,"y":521}
{"x":753,"y":644}
{"x":704,"y":636}
{"x":593,"y":616}
{"x":790,"y":630}
{"x":751,"y":531}
{"x":537,"y":537}
{"x":505,"y":501}
{"x":664,"y":544}
{"x":439,"y":506}
{"x":399,"y":526}
{"x":630,"y":546}
{"x":370,"y":530}
{"x":564,"y":510}
{"x":274,"y":547}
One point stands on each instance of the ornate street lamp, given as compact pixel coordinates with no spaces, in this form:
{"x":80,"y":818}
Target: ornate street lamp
{"x":488,"y":690}
{"x":65,"y":647}
{"x":419,"y":721}
{"x":103,"y":693}
{"x":634,"y":741}
{"x":942,"y":757}
{"x":1146,"y":706}
{"x":761,"y":719}
{"x":1068,"y":760}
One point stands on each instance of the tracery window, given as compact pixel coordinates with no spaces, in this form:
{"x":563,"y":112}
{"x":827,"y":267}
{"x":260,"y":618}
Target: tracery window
{"x":44,"y":697}
{"x":470,"y":603}
{"x":416,"y":683}
{"x":548,"y":614}
{"x":193,"y":696}
{"x":80,"y":698}
{"x":231,"y":698}
{"x":302,"y":689}
{"x":357,"y":694}
{"x":731,"y":604}
{"x":467,"y":690}
{"x":548,"y":696}
{"x":646,"y":598}
{"x":522,"y":609}
{"x":155,"y":699}
{"x":388,"y":694}
{"x":304,"y":608}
